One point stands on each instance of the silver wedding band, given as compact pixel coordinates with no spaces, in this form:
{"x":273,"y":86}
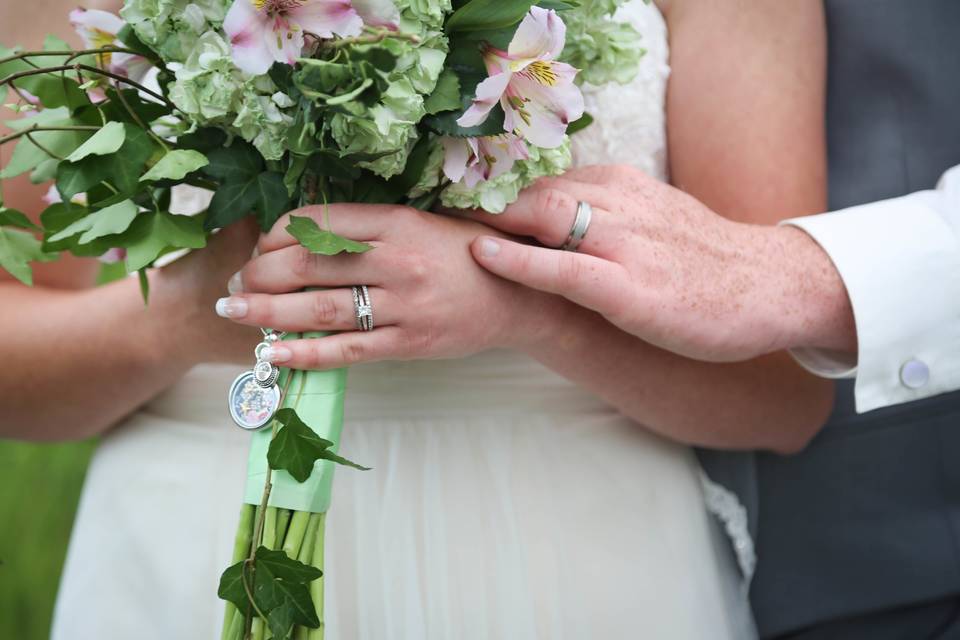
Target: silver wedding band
{"x":581,"y":224}
{"x":363,"y":305}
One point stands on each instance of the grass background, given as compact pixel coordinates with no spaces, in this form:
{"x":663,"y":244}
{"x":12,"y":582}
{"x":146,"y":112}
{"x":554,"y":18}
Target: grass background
{"x":39,"y":488}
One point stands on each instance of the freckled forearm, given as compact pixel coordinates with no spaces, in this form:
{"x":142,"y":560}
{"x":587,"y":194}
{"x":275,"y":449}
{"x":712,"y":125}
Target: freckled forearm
{"x":806,"y":301}
{"x":766,"y":403}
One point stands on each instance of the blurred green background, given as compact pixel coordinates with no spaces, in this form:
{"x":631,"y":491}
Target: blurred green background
{"x":39,"y":488}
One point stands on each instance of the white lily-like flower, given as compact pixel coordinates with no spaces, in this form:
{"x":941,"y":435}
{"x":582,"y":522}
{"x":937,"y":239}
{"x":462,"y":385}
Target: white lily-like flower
{"x":266,"y":31}
{"x":536,"y":92}
{"x":476,"y":160}
{"x":98,"y":30}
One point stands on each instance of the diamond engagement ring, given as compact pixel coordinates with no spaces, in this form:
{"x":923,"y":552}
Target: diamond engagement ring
{"x":364,"y":307}
{"x":580,"y":226}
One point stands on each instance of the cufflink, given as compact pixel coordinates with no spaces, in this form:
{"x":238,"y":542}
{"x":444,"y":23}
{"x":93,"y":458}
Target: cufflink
{"x":914,"y":374}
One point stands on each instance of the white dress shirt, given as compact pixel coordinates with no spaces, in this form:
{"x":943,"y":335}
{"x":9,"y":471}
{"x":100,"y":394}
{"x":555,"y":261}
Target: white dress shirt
{"x":900,"y":262}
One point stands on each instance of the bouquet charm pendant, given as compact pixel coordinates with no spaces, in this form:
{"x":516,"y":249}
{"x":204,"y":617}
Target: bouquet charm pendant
{"x":254,"y":396}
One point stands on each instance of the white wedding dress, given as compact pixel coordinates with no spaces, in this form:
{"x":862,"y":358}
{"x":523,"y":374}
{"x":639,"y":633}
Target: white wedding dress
{"x":505,"y":503}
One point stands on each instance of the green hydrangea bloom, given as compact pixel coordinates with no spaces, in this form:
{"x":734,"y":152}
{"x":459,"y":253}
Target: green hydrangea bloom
{"x":210,"y":89}
{"x":430,"y":13}
{"x":173,"y":27}
{"x":494,"y":195}
{"x":388,"y":127}
{"x":432,"y":172}
{"x":603,"y":49}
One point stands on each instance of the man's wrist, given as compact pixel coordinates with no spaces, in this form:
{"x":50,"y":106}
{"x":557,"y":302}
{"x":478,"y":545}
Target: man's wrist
{"x":810,"y":306}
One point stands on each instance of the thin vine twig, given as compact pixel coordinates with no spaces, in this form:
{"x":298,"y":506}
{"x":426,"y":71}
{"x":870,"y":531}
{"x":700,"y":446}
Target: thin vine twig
{"x":85,"y":67}
{"x":73,"y":54}
{"x":35,"y":128}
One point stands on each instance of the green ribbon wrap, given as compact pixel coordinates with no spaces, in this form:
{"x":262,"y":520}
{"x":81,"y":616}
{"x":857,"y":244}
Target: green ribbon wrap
{"x":317,"y":397}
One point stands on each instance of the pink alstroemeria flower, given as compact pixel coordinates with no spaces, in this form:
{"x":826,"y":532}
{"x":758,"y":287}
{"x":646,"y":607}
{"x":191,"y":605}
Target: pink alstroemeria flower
{"x":536,"y":92}
{"x":476,"y":160}
{"x":266,"y":31}
{"x":99,"y":29}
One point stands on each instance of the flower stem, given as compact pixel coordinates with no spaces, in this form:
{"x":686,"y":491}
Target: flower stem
{"x":306,"y":549}
{"x":241,"y":546}
{"x":299,"y":526}
{"x":283,"y":521}
{"x":316,"y":587}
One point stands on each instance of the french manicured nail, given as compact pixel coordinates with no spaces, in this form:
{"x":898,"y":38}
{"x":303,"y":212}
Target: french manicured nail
{"x":232,"y":307}
{"x":235,"y":285}
{"x":489,"y":248}
{"x":276,"y":355}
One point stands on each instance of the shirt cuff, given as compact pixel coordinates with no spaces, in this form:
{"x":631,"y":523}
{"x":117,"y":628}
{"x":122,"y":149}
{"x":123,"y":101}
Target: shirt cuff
{"x":900,"y":262}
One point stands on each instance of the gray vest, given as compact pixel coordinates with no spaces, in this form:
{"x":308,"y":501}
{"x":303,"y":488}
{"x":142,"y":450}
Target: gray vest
{"x":868,"y":517}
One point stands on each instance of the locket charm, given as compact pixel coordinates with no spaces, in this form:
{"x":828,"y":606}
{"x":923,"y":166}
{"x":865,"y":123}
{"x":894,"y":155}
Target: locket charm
{"x":254,"y":396}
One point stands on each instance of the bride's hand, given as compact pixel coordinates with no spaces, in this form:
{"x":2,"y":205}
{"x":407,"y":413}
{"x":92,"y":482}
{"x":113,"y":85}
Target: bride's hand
{"x":429,"y":298}
{"x":661,"y":265}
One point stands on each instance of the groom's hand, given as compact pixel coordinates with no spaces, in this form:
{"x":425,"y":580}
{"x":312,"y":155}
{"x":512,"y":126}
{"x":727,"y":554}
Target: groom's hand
{"x":659,"y":264}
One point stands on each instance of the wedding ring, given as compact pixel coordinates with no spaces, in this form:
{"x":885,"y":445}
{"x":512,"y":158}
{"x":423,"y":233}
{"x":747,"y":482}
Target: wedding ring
{"x":580,"y":226}
{"x":364,"y":307}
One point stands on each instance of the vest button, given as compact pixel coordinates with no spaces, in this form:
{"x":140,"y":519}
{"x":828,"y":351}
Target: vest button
{"x":914,"y":374}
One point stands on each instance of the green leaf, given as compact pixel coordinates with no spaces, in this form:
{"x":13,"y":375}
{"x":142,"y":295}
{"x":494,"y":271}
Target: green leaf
{"x":280,"y":589}
{"x":108,"y":221}
{"x":121,"y":170}
{"x":27,"y":156}
{"x":445,"y":123}
{"x":309,"y":234}
{"x":176,"y":165}
{"x":238,"y":162}
{"x":579,"y":125}
{"x":265,"y":194}
{"x":446,"y":96}
{"x":296,"y":448}
{"x":104,"y":142}
{"x":478,"y":15}
{"x":144,"y":285}
{"x":129,"y":38}
{"x":153,"y":234}
{"x":111,"y":273}
{"x":14,"y":218}
{"x":18,"y":249}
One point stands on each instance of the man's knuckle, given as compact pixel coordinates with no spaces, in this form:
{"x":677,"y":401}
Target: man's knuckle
{"x":569,"y":269}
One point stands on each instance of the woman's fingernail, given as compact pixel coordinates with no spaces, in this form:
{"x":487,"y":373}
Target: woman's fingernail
{"x":276,"y":355}
{"x":489,"y":248}
{"x":232,"y":307}
{"x":235,"y":285}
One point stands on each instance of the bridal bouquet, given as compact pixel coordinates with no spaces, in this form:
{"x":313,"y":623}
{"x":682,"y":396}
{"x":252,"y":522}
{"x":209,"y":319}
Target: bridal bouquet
{"x":271,"y":105}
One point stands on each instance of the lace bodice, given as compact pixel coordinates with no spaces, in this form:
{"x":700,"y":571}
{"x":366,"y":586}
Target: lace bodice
{"x":631,"y":123}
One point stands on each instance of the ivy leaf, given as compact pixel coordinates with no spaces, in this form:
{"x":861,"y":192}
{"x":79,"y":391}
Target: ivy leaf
{"x":445,"y":123}
{"x":579,"y":125}
{"x":238,"y":162}
{"x":265,"y":194}
{"x":479,"y":15}
{"x":446,"y":96}
{"x":18,"y":249}
{"x":296,"y":448}
{"x":122,"y":169}
{"x":104,"y":142}
{"x":156,"y":233}
{"x":27,"y":156}
{"x":176,"y":165}
{"x":14,"y":218}
{"x":280,"y":589}
{"x":309,"y":234}
{"x":107,"y":221}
